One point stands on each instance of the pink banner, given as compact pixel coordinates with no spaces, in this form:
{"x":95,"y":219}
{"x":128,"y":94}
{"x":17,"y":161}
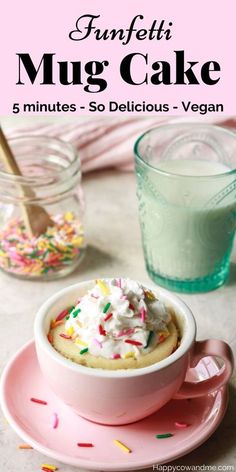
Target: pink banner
{"x":100,"y":58}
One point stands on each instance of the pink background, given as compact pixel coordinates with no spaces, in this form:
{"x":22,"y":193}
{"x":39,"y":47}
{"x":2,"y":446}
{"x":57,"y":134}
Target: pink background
{"x":204,"y":29}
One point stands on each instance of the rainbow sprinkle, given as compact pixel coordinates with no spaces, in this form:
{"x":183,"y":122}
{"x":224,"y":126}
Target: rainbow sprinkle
{"x":181,"y":425}
{"x":65,"y":336}
{"x":59,"y":246}
{"x":37,"y":400}
{"x":164,"y":436}
{"x":150,"y":336}
{"x":24,"y":446}
{"x":129,"y":354}
{"x":61,"y":315}
{"x":104,"y":288}
{"x":55,"y":420}
{"x":85,"y":445}
{"x":122,"y":446}
{"x":116,"y":356}
{"x":108,"y":317}
{"x":106,"y":307}
{"x":83,"y":351}
{"x":97,"y":342}
{"x":134,"y":343}
{"x":48,"y":466}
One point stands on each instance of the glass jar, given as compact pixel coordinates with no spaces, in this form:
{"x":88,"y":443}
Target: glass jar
{"x":51,"y":168}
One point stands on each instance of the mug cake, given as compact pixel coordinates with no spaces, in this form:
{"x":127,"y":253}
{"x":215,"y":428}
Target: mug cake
{"x":116,"y":324}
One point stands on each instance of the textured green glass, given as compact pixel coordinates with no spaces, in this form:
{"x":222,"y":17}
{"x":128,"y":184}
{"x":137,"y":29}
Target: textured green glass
{"x":187,"y":222}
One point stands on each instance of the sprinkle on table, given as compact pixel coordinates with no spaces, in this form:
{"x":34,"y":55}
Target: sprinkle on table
{"x":122,"y":446}
{"x":181,"y":425}
{"x":85,"y":445}
{"x":164,"y":436}
{"x":49,"y":467}
{"x":25,"y":446}
{"x":83,"y":351}
{"x":37,"y":400}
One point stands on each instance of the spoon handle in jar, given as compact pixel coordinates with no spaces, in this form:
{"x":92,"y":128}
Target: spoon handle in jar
{"x":35,"y":217}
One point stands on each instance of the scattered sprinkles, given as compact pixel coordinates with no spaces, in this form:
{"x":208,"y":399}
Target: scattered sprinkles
{"x":24,"y":446}
{"x":122,"y":446}
{"x":143,"y":314}
{"x":104,"y":288}
{"x":65,"y":336}
{"x":97,"y":342}
{"x":85,"y":445}
{"x":82,"y":343}
{"x":102,"y":331}
{"x":150,"y":336}
{"x":164,"y":436}
{"x":49,"y":467}
{"x":50,"y":252}
{"x":115,"y":319}
{"x":83,"y":351}
{"x":106,"y":307}
{"x":134,"y":343}
{"x":76,"y":312}
{"x":116,"y":356}
{"x":55,"y":420}
{"x":129,"y":354}
{"x":118,"y":283}
{"x":181,"y":425}
{"x":108,"y":317}
{"x":37,"y":400}
{"x":61,"y":315}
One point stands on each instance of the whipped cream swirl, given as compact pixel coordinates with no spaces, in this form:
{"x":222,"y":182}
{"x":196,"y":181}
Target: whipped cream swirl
{"x":118,"y":318}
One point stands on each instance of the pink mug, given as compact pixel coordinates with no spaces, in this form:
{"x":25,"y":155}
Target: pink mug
{"x":124,"y":396}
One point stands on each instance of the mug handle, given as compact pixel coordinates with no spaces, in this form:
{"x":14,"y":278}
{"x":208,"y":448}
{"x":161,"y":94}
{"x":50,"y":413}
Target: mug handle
{"x":209,"y":347}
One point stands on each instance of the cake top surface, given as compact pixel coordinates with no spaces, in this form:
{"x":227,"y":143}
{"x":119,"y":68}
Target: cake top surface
{"x":118,"y":318}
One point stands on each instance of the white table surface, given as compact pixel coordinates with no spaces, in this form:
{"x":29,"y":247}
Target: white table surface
{"x":114,"y":249}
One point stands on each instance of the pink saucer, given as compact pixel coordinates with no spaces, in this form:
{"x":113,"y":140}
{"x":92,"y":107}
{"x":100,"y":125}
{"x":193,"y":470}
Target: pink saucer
{"x":22,"y":380}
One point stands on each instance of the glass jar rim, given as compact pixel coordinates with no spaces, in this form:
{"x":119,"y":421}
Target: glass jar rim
{"x":164,"y":173}
{"x":43,"y":180}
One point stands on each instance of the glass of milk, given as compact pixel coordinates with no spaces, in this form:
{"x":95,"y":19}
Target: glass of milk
{"x":186,"y":181}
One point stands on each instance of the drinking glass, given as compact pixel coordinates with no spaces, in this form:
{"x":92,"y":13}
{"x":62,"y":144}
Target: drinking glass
{"x":186,"y":186}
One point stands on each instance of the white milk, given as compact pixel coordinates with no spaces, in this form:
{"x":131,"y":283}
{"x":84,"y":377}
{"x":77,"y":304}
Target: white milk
{"x":187,"y":222}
